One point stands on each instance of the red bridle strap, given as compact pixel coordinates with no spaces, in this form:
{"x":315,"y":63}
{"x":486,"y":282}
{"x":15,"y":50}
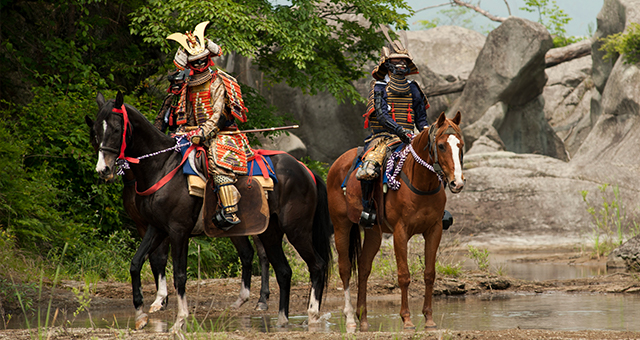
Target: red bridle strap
{"x":125,"y":117}
{"x":168,"y":176}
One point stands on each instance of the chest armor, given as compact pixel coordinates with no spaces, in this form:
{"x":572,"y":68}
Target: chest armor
{"x":399,"y":108}
{"x":200,"y":99}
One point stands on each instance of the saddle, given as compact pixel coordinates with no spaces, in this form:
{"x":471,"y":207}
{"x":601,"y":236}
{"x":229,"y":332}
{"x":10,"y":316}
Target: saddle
{"x":253,"y":208}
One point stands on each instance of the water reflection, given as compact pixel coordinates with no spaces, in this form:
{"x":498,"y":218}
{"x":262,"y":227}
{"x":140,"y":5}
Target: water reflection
{"x":552,"y":311}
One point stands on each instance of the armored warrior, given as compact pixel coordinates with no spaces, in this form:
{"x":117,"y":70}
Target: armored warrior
{"x":210,"y":103}
{"x":396,"y":104}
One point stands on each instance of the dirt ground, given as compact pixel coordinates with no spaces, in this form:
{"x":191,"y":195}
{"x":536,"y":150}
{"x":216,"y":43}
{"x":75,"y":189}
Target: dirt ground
{"x":225,"y":291}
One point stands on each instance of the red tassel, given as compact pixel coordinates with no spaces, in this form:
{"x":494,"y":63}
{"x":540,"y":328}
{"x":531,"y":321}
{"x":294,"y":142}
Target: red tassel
{"x":366,"y":123}
{"x":393,"y":111}
{"x":409,"y":114}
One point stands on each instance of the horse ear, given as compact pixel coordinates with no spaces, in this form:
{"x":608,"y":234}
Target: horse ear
{"x":456,"y":119}
{"x":89,"y":121}
{"x":441,"y":119}
{"x":119,"y":100}
{"x":100,"y":100}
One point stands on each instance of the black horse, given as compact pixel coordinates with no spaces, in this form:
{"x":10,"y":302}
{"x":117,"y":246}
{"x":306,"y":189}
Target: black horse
{"x":158,"y":258}
{"x":297,"y":207}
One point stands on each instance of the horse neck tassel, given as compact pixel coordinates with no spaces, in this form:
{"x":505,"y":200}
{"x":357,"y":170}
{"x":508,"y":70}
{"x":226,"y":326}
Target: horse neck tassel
{"x":394,"y":168}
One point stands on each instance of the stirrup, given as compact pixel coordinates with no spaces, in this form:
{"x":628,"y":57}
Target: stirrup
{"x":225,"y":221}
{"x":447,"y":220}
{"x":367,"y":218}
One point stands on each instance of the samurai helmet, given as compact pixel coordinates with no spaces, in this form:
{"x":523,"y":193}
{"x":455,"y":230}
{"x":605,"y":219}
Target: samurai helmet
{"x":195,"y":44}
{"x":395,"y":51}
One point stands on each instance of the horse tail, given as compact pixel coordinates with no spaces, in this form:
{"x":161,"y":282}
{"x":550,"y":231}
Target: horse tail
{"x":322,"y":227}
{"x":354,"y":246}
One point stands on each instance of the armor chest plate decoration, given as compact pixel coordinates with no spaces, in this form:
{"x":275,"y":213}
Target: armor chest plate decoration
{"x":399,"y":105}
{"x":200,"y":99}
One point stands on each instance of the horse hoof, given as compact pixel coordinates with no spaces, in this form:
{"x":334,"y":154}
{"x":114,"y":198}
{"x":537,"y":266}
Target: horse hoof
{"x":430,"y":328}
{"x":364,"y":326}
{"x":238,"y":303}
{"x":262,"y":306}
{"x":155,"y":308}
{"x":141,"y":321}
{"x":351,"y":327}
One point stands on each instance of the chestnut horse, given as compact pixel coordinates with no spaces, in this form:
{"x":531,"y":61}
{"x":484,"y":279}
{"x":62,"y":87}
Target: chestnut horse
{"x":417,"y":207}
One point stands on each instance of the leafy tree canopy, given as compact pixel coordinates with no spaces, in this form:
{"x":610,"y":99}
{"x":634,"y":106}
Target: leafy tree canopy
{"x":313,"y":45}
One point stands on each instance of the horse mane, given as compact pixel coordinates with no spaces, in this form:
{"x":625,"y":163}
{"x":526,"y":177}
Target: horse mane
{"x":137,"y":116}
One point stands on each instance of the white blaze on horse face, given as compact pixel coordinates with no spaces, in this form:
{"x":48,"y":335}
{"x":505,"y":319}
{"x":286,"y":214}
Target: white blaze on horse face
{"x":455,"y":153}
{"x":101,"y":165}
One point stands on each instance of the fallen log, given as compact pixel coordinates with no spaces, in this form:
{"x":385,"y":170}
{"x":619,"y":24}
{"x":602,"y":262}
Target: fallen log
{"x":438,"y":90}
{"x":559,"y":55}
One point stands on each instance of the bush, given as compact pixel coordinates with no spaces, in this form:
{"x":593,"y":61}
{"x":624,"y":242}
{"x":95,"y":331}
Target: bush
{"x":627,"y":44}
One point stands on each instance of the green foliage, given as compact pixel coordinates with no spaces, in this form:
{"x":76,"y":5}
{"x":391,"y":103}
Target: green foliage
{"x":310,"y":44}
{"x":318,"y":167}
{"x":553,"y":18}
{"x":428,"y":24}
{"x":449,"y":269}
{"x":625,"y":43}
{"x":217,"y":257}
{"x":611,"y":225}
{"x":480,"y":257}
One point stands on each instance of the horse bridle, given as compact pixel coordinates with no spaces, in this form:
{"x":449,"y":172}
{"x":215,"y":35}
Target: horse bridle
{"x":431,"y":145}
{"x":122,"y":112}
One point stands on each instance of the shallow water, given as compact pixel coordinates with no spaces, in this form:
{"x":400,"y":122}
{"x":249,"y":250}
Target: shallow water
{"x":516,"y":266}
{"x":552,"y":311}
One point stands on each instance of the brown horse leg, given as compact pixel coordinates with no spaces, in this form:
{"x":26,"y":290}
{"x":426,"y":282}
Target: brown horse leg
{"x":431,"y":243}
{"x":404,"y":277}
{"x":372,"y":240}
{"x":342,"y":230}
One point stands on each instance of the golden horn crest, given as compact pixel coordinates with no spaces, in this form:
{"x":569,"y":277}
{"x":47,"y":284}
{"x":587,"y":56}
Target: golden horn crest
{"x":194,"y":43}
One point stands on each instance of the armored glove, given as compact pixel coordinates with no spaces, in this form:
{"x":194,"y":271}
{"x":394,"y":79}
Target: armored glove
{"x":404,"y":134}
{"x":195,"y":136}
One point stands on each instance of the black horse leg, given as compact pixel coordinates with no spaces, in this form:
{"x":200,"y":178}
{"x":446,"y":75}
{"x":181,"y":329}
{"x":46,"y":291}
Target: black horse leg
{"x":317,"y":268}
{"x":158,"y":262}
{"x":281,"y":267}
{"x":264,"y":266}
{"x":245,"y":251}
{"x":179,"y":249}
{"x":150,"y":242}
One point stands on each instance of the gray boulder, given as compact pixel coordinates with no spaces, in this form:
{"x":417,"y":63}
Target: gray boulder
{"x":449,"y":51}
{"x":627,"y":256}
{"x":567,"y":101}
{"x":613,"y":18}
{"x":510,"y":68}
{"x":610,"y":153}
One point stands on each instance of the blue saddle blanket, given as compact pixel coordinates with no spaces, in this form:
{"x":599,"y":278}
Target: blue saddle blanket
{"x":255,"y":166}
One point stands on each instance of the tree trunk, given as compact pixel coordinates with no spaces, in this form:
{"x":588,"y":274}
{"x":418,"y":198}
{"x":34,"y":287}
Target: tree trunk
{"x":559,"y":55}
{"x":438,"y":90}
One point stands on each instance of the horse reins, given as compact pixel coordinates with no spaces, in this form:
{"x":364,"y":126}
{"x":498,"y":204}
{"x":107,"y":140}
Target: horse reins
{"x":122,"y":111}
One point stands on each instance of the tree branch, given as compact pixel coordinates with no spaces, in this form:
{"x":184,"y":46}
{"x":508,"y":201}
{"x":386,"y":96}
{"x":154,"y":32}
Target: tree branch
{"x":434,"y":6}
{"x":479,"y":10}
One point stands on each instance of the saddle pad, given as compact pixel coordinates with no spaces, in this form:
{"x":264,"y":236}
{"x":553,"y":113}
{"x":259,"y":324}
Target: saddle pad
{"x":358,"y":161}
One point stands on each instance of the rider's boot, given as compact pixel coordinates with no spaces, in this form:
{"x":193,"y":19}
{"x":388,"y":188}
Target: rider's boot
{"x":228,"y":196}
{"x":447,"y":220}
{"x":368,"y":216}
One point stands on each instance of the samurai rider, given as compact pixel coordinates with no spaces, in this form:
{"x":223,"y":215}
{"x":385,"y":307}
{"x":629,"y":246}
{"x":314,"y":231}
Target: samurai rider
{"x":396,"y":105}
{"x":210,"y":103}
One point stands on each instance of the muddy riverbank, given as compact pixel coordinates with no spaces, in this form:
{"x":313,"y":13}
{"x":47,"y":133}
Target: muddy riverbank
{"x":213,"y":296}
